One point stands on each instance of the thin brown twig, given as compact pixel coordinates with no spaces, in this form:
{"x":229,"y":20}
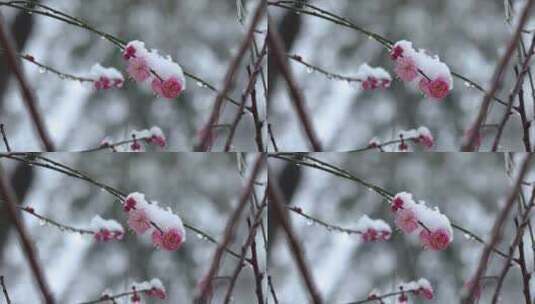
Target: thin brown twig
{"x":258,"y":124}
{"x":250,"y":238}
{"x":206,"y":283}
{"x":60,"y":226}
{"x":4,"y":137}
{"x":27,"y":94}
{"x":4,"y":289}
{"x":249,"y":88}
{"x":382,"y":297}
{"x":10,"y":202}
{"x":517,"y":87}
{"x":272,"y":290}
{"x":298,"y":101}
{"x":497,"y":229}
{"x":272,"y":138}
{"x":518,"y":238}
{"x":106,"y":298}
{"x":469,"y":143}
{"x":203,"y":145}
{"x":276,"y":201}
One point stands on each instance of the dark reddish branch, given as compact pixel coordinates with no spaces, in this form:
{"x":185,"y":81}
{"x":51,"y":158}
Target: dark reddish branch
{"x":526,"y":124}
{"x":4,"y":289}
{"x":497,"y":228}
{"x":27,"y":94}
{"x":272,"y":290}
{"x":526,"y":275}
{"x":520,"y":228}
{"x":206,"y":283}
{"x":205,"y":139}
{"x":257,"y":220}
{"x":4,"y":137}
{"x":249,"y":88}
{"x":469,"y":144}
{"x":272,"y":138}
{"x":298,"y":101}
{"x":258,"y":275}
{"x":258,"y":124}
{"x":516,"y":89}
{"x":9,"y":198}
{"x":276,"y":201}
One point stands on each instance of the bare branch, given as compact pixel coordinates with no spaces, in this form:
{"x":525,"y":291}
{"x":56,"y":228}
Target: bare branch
{"x":469,"y":143}
{"x":206,"y":283}
{"x":497,"y":229}
{"x":203,"y":145}
{"x":27,"y":94}
{"x":276,"y":201}
{"x":10,"y":202}
{"x":298,"y":101}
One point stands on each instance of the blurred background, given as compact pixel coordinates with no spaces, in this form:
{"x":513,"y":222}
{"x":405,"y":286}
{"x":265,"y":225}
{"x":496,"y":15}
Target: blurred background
{"x":80,"y":269}
{"x":468,"y":188}
{"x":201,"y":35}
{"x":470,"y":36}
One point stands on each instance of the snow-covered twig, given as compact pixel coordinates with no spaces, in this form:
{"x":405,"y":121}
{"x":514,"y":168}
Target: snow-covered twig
{"x":311,"y":10}
{"x":33,"y":159}
{"x":375,"y":298}
{"x":107,"y":298}
{"x":309,"y":161}
{"x":48,"y":11}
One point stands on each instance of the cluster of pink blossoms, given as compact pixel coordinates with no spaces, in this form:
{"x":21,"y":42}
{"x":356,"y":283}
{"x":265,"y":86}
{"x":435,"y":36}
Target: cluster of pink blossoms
{"x":166,"y":228}
{"x":106,"y":78}
{"x":373,"y":230}
{"x":373,"y":78}
{"x":106,"y":230}
{"x":433,"y":228}
{"x":152,"y":288}
{"x":165,"y":76}
{"x":428,"y":73}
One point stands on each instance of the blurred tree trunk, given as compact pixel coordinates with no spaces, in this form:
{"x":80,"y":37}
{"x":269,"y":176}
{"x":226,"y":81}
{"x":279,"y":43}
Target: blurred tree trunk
{"x":23,"y":175}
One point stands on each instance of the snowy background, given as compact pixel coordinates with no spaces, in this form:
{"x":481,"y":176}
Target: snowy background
{"x":79,"y":269}
{"x":468,"y":35}
{"x":202,"y":36}
{"x":468,"y":188}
